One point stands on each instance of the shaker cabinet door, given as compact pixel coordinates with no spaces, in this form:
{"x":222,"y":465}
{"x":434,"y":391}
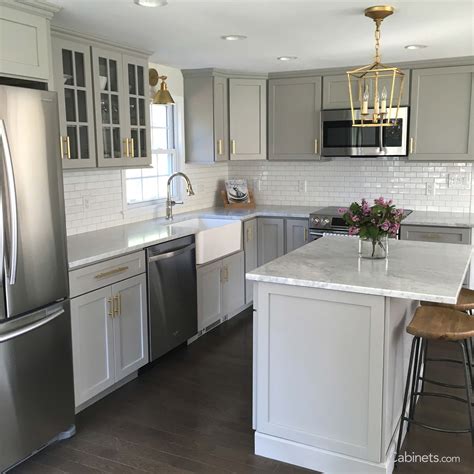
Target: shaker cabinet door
{"x":296,"y":233}
{"x":248,"y":119}
{"x":294,"y":111}
{"x":221,"y":119}
{"x":92,"y":343}
{"x":271,"y":239}
{"x":233,"y":293}
{"x":442,"y":114}
{"x":209,"y":292}
{"x":73,"y":83}
{"x":137,"y":111}
{"x":113,"y":141}
{"x":130,"y":325}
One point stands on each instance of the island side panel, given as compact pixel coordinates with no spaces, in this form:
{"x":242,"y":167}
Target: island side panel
{"x":320,"y":360}
{"x":398,"y":314}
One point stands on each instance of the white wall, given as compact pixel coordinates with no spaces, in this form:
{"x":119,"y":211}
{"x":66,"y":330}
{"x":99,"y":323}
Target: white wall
{"x":95,"y":198}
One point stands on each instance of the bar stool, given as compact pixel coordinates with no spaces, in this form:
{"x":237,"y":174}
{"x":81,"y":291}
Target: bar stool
{"x":437,"y":323}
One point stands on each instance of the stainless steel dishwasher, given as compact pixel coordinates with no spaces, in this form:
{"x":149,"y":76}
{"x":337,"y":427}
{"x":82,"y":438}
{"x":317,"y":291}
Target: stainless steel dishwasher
{"x":172,"y":294}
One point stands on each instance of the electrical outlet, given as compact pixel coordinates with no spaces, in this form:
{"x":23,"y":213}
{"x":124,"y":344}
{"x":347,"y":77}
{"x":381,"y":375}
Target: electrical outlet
{"x":302,"y":185}
{"x":430,"y":189}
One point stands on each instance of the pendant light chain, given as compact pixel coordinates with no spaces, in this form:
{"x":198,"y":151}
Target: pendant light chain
{"x":377,"y":41}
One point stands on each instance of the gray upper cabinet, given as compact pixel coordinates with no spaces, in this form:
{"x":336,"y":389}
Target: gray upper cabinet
{"x":442,"y":114}
{"x":73,"y":83}
{"x":206,"y":117}
{"x":271,"y":239}
{"x":296,"y":233}
{"x":336,"y":91}
{"x":248,"y":119}
{"x":294,"y":127}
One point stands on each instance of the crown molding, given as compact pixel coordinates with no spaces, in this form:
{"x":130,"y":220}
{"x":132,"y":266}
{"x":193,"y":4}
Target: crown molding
{"x":39,"y":7}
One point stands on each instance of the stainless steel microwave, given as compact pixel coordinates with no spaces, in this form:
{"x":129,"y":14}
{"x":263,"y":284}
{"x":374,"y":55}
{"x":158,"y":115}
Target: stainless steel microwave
{"x":340,"y":138}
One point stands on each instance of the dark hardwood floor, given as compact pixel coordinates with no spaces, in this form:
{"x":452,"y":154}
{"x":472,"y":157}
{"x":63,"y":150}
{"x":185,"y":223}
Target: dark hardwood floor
{"x":191,"y":413}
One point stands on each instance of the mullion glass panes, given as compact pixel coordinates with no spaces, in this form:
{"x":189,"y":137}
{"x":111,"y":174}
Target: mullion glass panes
{"x":107,"y":142}
{"x":135,"y":148}
{"x":72,"y":135}
{"x":70,"y":104}
{"x":80,"y":75}
{"x":84,"y":141}
{"x":116,"y":135}
{"x":105,"y":108}
{"x":81,"y":106}
{"x":137,"y":112}
{"x":68,"y":74}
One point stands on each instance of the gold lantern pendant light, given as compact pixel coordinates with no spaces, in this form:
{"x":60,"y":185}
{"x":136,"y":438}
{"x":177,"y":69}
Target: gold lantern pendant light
{"x":162,"y":96}
{"x":377,"y":87}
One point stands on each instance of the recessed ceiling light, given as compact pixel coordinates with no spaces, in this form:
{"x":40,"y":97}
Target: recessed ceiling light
{"x":233,"y":37}
{"x":415,"y":46}
{"x":151,"y":3}
{"x":287,"y":58}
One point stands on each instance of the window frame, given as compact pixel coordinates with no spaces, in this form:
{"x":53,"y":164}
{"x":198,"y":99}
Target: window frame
{"x":177,"y":189}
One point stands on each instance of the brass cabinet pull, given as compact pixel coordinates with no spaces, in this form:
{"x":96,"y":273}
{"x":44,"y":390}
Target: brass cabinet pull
{"x":412,"y":145}
{"x":110,"y":312}
{"x":110,"y":272}
{"x":233,"y":146}
{"x":224,"y":274}
{"x":68,"y":143}
{"x":116,"y":308}
{"x":249,"y":234}
{"x":316,"y":146}
{"x":220,"y":150}
{"x":125,"y":144}
{"x":132,"y":147}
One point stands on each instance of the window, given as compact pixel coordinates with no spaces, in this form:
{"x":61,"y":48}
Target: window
{"x":149,"y":184}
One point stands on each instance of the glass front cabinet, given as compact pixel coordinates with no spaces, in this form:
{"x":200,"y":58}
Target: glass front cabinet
{"x":103,"y":106}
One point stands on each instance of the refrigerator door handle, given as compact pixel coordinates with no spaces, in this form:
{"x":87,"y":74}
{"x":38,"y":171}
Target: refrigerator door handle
{"x":11,"y":188}
{"x":19,"y":332}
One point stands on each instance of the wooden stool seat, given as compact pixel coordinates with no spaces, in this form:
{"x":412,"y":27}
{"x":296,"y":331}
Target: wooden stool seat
{"x":437,"y":322}
{"x":465,"y":301}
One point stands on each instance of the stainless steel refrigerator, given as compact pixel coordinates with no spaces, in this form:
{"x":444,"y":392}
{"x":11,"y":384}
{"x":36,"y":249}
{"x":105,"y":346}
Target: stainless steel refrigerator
{"x":36,"y":377}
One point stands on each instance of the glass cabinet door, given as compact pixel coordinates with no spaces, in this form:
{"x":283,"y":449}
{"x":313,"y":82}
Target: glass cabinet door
{"x":113,"y":143}
{"x":135,"y":71}
{"x":73,"y":81}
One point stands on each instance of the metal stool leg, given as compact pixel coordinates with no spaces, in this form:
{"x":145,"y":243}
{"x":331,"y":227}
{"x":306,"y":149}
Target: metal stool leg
{"x":416,"y":364}
{"x":405,"y":398}
{"x":422,"y":375}
{"x":468,"y":377}
{"x":414,"y":389}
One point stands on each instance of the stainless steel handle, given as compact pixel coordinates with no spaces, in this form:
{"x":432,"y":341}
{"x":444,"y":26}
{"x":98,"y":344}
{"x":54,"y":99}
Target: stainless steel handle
{"x":174,"y":253}
{"x":12,"y":202}
{"x":31,"y":327}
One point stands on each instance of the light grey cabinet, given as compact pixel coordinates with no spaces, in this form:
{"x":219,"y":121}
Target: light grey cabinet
{"x":442,"y":114}
{"x":336,"y":90}
{"x":220,"y":289}
{"x":251,"y":254}
{"x":206,"y":117}
{"x":296,"y":233}
{"x":248,"y":119}
{"x":294,"y":109}
{"x":271,"y":239}
{"x":73,"y":83}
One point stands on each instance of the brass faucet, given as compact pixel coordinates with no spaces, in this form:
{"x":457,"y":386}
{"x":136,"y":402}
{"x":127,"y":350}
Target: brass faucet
{"x":169,"y":202}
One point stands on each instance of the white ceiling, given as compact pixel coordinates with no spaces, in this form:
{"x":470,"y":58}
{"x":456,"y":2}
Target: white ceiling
{"x":329,"y":33}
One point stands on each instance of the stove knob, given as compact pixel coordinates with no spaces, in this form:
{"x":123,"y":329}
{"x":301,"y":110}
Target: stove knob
{"x":326,"y":221}
{"x":315,"y":220}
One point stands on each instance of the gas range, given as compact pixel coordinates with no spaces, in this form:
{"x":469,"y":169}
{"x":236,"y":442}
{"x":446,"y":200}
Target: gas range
{"x":329,"y":221}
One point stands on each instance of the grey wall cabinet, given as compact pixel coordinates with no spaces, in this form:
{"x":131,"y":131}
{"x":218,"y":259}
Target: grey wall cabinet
{"x":271,"y":239}
{"x":442,"y":114}
{"x":251,"y":254}
{"x":220,"y":286}
{"x":294,"y":127}
{"x":336,"y":91}
{"x":296,"y":233}
{"x":248,"y":119}
{"x":206,"y":118}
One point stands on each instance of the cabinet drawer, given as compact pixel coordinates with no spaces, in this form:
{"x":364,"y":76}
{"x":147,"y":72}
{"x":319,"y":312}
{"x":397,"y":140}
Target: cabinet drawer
{"x":450,"y":235}
{"x":106,"y":273}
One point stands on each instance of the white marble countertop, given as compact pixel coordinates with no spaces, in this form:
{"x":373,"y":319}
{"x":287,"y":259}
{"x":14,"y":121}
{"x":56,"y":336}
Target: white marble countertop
{"x":92,"y":247}
{"x":413,"y":270}
{"x":441,"y":219}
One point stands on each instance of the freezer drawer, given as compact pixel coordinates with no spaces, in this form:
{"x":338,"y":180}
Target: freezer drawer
{"x":172,"y":294}
{"x":36,"y":382}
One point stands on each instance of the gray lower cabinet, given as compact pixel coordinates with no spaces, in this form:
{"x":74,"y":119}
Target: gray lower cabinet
{"x":442,"y":114}
{"x":296,"y":233}
{"x":336,"y":90}
{"x":220,"y":288}
{"x":206,"y":117}
{"x":271,"y":239}
{"x":251,"y":255}
{"x":294,"y":110}
{"x":109,"y":336}
{"x":248,"y":119}
{"x":450,"y":235}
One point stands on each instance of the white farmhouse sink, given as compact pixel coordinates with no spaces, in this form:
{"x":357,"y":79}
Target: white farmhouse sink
{"x":215,"y":238}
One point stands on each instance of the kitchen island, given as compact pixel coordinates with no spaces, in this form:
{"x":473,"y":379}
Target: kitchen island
{"x":331,"y":350}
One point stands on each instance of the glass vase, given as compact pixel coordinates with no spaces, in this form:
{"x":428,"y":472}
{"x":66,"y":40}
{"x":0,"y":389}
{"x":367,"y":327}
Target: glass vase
{"x":373,"y":248}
